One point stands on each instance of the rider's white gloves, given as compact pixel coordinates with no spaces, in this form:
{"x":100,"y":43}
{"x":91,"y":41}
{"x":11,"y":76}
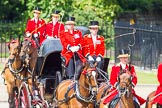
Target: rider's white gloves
{"x":90,"y":58}
{"x":76,"y":48}
{"x":35,"y":35}
{"x":72,"y":49}
{"x":98,"y":59}
{"x":28,"y":34}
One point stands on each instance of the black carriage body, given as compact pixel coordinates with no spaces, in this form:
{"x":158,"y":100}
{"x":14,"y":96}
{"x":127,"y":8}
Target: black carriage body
{"x":48,"y":70}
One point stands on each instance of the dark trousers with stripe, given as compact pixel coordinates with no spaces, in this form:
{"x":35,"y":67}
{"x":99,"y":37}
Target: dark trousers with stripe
{"x":74,"y":67}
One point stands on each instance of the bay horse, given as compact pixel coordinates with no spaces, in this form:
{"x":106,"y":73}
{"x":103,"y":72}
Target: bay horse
{"x":103,"y":90}
{"x":124,"y":99}
{"x":13,"y":73}
{"x":29,"y":54}
{"x":149,"y":100}
{"x":80,"y":93}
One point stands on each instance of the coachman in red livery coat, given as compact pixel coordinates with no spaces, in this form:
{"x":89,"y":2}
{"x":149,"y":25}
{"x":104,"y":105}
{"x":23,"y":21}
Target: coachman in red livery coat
{"x":123,"y":57}
{"x":36,"y":26}
{"x":72,"y":40}
{"x":158,"y":99}
{"x":54,"y":27}
{"x":93,"y":45}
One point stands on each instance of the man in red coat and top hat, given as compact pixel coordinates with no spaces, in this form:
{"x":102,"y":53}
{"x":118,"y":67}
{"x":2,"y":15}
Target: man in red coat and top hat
{"x":54,"y":27}
{"x":94,"y":47}
{"x":72,"y":40}
{"x":36,"y":26}
{"x":123,"y":64}
{"x":158,"y":94}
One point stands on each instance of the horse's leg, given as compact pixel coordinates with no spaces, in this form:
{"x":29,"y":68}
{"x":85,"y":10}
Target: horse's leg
{"x":10,"y":95}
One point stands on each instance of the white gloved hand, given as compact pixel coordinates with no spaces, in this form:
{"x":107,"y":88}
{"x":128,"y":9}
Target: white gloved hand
{"x":49,"y":37}
{"x":35,"y":34}
{"x":98,"y":59}
{"x":28,"y":34}
{"x":72,"y":49}
{"x":76,"y":48}
{"x":90,"y":58}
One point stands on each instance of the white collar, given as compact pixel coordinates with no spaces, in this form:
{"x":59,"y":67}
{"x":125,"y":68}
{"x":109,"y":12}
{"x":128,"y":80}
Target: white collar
{"x":123,"y":65}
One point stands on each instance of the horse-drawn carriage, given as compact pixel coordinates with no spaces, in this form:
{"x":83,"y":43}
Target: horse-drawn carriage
{"x":48,"y":72}
{"x":46,"y":75}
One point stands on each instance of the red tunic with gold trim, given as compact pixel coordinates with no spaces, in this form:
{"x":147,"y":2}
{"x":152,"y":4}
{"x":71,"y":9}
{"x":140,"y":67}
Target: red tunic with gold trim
{"x":158,"y":99}
{"x":90,"y":48}
{"x":71,"y":39}
{"x":54,"y":30}
{"x":36,"y":27}
{"x":114,"y":80}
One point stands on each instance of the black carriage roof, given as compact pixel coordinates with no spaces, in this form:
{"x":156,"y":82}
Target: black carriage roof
{"x":83,"y":29}
{"x":50,"y":45}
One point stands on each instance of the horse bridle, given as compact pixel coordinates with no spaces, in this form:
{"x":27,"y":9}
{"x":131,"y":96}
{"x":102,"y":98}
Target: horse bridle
{"x":26,"y":55}
{"x":124,"y":91}
{"x":91,"y":89}
{"x":10,"y":62}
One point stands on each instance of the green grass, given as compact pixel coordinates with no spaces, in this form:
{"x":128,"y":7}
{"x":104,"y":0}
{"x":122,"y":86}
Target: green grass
{"x":4,"y":55}
{"x":144,"y":77}
{"x":147,"y":78}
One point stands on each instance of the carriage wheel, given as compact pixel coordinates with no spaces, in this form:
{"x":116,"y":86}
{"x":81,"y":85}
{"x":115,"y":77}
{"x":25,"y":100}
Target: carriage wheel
{"x":58,"y":78}
{"x":24,"y":96}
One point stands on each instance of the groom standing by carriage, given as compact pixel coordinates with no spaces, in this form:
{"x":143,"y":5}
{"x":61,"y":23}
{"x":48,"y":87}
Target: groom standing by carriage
{"x":72,"y":40}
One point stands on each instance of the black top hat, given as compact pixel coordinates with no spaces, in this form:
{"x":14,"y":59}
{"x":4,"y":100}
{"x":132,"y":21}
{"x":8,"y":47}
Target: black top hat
{"x":37,"y":9}
{"x":94,"y":24}
{"x":123,"y":53}
{"x":70,"y":20}
{"x":56,"y":13}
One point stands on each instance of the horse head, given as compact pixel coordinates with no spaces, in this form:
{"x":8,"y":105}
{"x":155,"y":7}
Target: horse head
{"x":89,"y":77}
{"x":27,"y":49}
{"x":14,"y":49}
{"x":125,"y":82}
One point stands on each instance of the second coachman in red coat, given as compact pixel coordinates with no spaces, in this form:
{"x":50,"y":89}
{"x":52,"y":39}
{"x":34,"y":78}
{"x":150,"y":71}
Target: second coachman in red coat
{"x":93,"y":45}
{"x":54,"y":27}
{"x":72,"y":40}
{"x":36,"y":26}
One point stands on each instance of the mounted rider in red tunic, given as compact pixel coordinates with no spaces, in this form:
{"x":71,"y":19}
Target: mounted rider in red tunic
{"x":158,"y":93}
{"x":36,"y":26}
{"x":94,"y":47}
{"x":72,"y":40}
{"x":54,"y":27}
{"x":123,"y":57}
